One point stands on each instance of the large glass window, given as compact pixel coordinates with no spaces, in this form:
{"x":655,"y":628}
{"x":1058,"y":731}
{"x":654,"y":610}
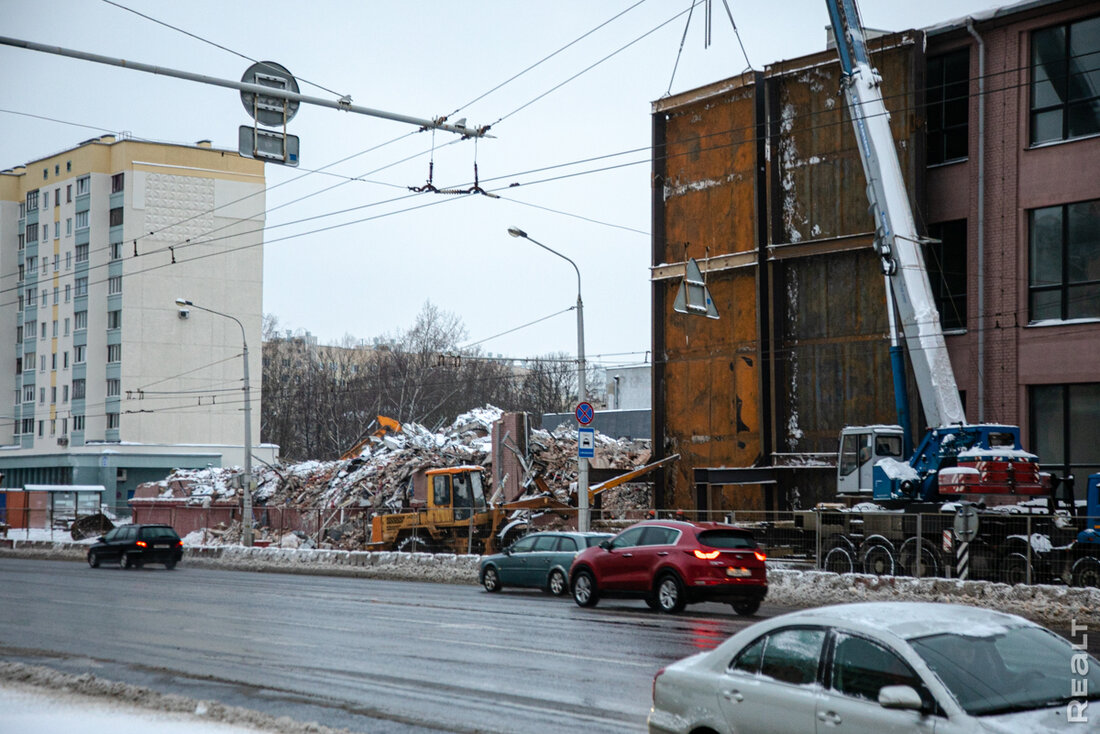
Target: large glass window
{"x":1064,"y":262}
{"x":948,"y":107}
{"x":1063,"y":429}
{"x":861,"y":668}
{"x":1065,"y":81}
{"x":946,"y":264}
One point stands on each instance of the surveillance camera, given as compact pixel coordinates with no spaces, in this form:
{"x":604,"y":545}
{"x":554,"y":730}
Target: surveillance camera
{"x":184,"y":313}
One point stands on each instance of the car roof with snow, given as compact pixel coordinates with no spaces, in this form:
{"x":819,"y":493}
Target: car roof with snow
{"x":909,"y":620}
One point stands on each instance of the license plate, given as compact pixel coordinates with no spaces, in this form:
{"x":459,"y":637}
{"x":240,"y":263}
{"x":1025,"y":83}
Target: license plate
{"x":738,"y":573}
{"x":162,"y":545}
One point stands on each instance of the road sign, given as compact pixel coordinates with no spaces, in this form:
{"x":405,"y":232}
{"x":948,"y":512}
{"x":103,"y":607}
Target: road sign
{"x":966,"y":523}
{"x":586,"y":443}
{"x":270,"y":111}
{"x":267,"y":145}
{"x":585,"y":413}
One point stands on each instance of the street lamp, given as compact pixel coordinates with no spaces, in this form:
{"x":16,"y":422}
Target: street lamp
{"x":582,"y":393}
{"x":246,"y":524}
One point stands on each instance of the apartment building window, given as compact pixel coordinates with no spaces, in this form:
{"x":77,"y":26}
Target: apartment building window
{"x":42,"y":333}
{"x":81,"y":286}
{"x":116,"y":182}
{"x":67,"y":321}
{"x":80,"y":320}
{"x":20,"y":301}
{"x":114,"y":319}
{"x":116,"y":250}
{"x":114,"y":284}
{"x":82,"y":253}
{"x":68,"y":297}
{"x":22,"y":272}
{"x":114,"y":352}
{"x":41,"y":426}
{"x":82,"y":220}
{"x":64,"y":393}
{"x":1064,"y":262}
{"x":28,"y":394}
{"x":32,"y":201}
{"x":32,"y":265}
{"x":112,"y":421}
{"x":57,"y":229}
{"x":31,"y":233}
{"x":64,"y":426}
{"x":69,"y":260}
{"x":78,"y":389}
{"x":18,"y":371}
{"x":83,"y":185}
{"x":42,"y":363}
{"x":116,"y":216}
{"x":22,"y":209}
{"x":28,"y":365}
{"x":53,"y":395}
{"x":55,"y":328}
{"x":53,"y":361}
{"x":45,"y":232}
{"x":53,"y":426}
{"x":41,"y":396}
{"x":56,"y":295}
{"x":22,"y":241}
{"x":1065,"y":81}
{"x":56,"y":263}
{"x":78,"y":354}
{"x":31,"y":294}
{"x":45,"y":296}
{"x":65,"y":362}
{"x":31,"y":330}
{"x":68,"y":193}
{"x":1063,"y":428}
{"x":19,"y":335}
{"x":113,"y":387}
{"x":78,"y":423}
{"x":28,"y":425}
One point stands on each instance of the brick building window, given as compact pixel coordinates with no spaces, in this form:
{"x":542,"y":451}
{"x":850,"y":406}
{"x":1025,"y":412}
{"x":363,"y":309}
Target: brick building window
{"x":1064,"y":262}
{"x":1063,"y":429}
{"x":1065,"y":81}
{"x":948,"y":107}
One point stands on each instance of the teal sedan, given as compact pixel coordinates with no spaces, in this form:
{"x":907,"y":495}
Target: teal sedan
{"x":538,"y":560}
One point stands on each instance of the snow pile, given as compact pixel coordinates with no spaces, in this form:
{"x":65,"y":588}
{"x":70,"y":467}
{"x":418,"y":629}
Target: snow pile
{"x":1051,"y":605}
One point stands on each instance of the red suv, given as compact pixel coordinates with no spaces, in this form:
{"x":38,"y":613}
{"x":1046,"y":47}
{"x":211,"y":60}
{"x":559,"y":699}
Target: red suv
{"x":670,"y":563}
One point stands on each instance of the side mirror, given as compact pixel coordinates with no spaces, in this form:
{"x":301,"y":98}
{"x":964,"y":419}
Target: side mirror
{"x":606,"y":545}
{"x":101,"y":539}
{"x":900,"y":697}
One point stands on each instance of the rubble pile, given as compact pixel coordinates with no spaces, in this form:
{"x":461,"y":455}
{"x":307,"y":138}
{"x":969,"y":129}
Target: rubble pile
{"x":378,"y":478}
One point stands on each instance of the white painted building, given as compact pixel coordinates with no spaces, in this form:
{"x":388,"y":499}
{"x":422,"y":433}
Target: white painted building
{"x":106,"y":383}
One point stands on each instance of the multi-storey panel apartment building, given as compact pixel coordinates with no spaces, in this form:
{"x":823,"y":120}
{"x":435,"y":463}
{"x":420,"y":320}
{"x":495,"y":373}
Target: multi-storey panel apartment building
{"x":107,"y":382}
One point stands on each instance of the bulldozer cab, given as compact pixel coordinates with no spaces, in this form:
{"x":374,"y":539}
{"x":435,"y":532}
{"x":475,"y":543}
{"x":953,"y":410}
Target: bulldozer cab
{"x":454,"y":494}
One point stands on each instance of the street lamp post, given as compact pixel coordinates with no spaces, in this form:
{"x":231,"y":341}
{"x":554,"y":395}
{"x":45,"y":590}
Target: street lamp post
{"x":246,"y":510}
{"x":582,"y":393}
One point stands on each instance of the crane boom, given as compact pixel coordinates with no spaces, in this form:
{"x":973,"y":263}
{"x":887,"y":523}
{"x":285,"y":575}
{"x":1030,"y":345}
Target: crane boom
{"x":896,"y":238}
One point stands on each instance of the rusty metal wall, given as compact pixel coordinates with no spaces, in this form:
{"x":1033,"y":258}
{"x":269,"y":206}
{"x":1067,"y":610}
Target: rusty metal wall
{"x":800,"y":347}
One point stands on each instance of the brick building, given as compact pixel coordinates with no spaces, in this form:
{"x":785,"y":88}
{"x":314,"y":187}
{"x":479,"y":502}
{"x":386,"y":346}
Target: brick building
{"x":757,"y":178}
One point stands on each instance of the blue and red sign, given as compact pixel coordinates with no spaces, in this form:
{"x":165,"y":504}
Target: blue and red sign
{"x":585,"y":413}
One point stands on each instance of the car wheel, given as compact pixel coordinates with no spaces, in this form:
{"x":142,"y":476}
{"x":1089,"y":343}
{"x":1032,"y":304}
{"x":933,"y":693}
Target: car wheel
{"x":877,"y":557}
{"x":490,"y":580}
{"x":126,"y":560}
{"x":584,"y":589}
{"x":1015,"y":569}
{"x":1086,"y":572}
{"x":838,"y":560}
{"x":746,"y":608}
{"x":557,"y":584}
{"x":93,"y":559}
{"x":670,"y":594}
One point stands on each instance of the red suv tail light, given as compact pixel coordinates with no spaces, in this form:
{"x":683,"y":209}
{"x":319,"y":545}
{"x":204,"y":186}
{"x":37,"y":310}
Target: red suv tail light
{"x":142,"y":544}
{"x":705,"y":555}
{"x":760,"y":556}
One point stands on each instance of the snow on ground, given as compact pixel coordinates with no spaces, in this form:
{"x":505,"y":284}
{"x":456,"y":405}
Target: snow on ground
{"x":30,"y":710}
{"x":39,"y":700}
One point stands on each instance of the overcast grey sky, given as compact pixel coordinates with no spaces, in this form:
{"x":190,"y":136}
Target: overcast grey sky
{"x":579,"y":153}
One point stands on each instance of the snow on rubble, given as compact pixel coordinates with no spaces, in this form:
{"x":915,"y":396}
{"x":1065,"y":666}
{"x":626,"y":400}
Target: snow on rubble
{"x":378,"y":478}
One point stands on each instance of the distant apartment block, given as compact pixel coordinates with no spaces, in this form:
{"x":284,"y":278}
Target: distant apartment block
{"x":106,"y":381}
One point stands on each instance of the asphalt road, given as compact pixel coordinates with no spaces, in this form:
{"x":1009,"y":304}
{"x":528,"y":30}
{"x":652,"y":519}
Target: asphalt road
{"x":372,"y":656}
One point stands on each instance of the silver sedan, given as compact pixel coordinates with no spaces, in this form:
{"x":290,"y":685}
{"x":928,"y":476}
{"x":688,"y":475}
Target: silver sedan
{"x":883,"y":667}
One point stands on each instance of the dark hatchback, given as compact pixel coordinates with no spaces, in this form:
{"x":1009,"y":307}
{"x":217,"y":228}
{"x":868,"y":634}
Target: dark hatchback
{"x":132,"y":546}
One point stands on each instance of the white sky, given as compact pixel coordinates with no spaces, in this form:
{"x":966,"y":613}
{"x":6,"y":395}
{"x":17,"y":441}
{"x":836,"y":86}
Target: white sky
{"x":424,"y":59}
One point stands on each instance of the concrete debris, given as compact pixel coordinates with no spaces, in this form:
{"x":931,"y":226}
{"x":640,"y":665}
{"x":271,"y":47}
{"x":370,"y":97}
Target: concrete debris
{"x":345,"y":493}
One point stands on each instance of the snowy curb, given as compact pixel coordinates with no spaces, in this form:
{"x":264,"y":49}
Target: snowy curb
{"x":42,"y":678}
{"x":1051,"y":605}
